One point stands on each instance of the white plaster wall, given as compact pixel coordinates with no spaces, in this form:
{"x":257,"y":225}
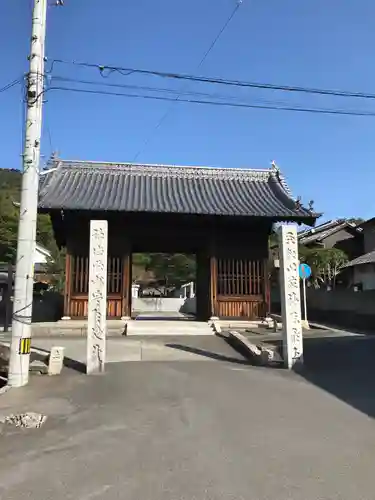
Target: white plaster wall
{"x":39,"y":257}
{"x":152,"y":304}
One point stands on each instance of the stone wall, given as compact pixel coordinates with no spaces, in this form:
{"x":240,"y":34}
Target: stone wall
{"x":344,"y":308}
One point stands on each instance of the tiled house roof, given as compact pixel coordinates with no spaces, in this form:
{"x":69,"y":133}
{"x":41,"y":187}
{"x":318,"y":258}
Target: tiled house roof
{"x":319,"y":233}
{"x":367,"y":258}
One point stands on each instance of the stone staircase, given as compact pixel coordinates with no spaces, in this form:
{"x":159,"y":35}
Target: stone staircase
{"x":117,"y":328}
{"x":168,"y":327}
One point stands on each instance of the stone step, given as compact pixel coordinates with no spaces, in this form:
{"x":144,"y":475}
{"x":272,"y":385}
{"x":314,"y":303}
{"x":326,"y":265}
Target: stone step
{"x":117,"y":328}
{"x":227,"y":323}
{"x":156,"y":327}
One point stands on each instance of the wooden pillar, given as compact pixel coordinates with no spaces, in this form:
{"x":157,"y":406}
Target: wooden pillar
{"x":213,"y":276}
{"x":266,"y":288}
{"x":126,"y":285}
{"x":68,"y":284}
{"x":213,"y":285}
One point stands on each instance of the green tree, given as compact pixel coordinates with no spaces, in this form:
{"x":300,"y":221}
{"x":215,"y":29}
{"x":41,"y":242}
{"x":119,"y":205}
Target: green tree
{"x":56,"y":270}
{"x":10,"y":189}
{"x":325,"y":263}
{"x":44,"y":232}
{"x":8,"y":228}
{"x":141,"y":260}
{"x":172,"y":269}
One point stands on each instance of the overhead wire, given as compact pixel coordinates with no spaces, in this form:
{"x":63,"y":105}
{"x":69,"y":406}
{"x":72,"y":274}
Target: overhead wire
{"x":11,"y":84}
{"x":220,"y":81}
{"x":203,"y":59}
{"x":162,"y":90}
{"x":244,"y":105}
{"x":141,"y":87}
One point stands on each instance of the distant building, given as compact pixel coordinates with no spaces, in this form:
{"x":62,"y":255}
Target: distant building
{"x":41,"y":255}
{"x":41,"y":258}
{"x":362,"y":268}
{"x":340,"y":233}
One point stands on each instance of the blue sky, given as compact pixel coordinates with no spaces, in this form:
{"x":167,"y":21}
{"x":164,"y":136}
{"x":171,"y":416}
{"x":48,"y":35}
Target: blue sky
{"x":310,"y":43}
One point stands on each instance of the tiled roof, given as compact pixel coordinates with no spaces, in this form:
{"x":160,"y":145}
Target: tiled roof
{"x":367,"y":258}
{"x":169,"y":189}
{"x":318,"y":233}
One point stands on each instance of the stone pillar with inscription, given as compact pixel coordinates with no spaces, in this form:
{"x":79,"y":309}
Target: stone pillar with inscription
{"x":97,"y":302}
{"x":290,"y":296}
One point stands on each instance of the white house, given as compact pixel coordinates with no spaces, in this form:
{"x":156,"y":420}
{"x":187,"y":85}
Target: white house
{"x":41,"y":255}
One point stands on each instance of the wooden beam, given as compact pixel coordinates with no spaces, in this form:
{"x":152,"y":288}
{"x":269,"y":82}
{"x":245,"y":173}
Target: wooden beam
{"x":266,"y":287}
{"x":68,"y":284}
{"x":126,"y":284}
{"x":213,"y":276}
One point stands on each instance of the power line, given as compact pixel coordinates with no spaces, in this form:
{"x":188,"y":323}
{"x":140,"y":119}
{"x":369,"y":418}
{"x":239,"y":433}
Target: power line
{"x":162,"y":90}
{"x":141,"y":87}
{"x":326,"y":111}
{"x":11,"y":84}
{"x":218,"y":81}
{"x":206,"y":54}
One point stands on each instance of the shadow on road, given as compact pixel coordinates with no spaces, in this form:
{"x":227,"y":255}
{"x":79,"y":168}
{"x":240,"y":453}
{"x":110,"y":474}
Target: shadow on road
{"x":208,"y":354}
{"x":344,"y":367}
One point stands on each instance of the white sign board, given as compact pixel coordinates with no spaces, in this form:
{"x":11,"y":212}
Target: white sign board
{"x":290,"y":296}
{"x":97,"y":303}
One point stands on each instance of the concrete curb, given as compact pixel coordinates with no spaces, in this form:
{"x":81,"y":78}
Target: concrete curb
{"x":242,"y":343}
{"x":255,"y":353}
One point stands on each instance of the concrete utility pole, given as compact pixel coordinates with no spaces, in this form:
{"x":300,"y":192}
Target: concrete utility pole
{"x":24,"y":279}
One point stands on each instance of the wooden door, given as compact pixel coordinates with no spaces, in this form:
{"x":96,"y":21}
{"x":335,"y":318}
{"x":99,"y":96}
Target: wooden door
{"x":240,"y":288}
{"x":79,"y":286}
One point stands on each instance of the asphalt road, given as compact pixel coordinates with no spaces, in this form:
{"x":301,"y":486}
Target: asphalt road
{"x":191,"y":431}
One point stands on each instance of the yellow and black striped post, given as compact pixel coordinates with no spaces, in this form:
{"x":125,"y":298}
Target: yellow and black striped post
{"x":25,"y":346}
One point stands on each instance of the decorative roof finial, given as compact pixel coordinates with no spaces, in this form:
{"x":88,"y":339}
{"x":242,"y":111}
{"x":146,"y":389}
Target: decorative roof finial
{"x":54,"y":155}
{"x":311,"y":205}
{"x":298,"y":203}
{"x":274,"y":166}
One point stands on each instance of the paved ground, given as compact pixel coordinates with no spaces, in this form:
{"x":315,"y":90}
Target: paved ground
{"x":197,"y":431}
{"x":159,"y":348}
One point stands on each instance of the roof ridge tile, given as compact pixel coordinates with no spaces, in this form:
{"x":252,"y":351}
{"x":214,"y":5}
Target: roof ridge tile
{"x":170,"y":170}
